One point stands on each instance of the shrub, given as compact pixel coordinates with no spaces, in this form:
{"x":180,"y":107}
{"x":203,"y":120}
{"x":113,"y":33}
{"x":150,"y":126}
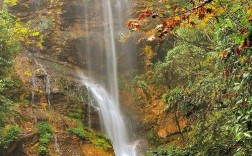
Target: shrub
{"x":170,"y":151}
{"x":79,"y":132}
{"x":102,"y":141}
{"x":44,"y":127}
{"x":8,"y":135}
{"x":45,"y":134}
{"x":153,"y":138}
{"x":42,"y":150}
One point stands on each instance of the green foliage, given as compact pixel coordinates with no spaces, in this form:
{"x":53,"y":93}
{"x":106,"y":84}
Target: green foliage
{"x":8,"y":135}
{"x":44,"y":128}
{"x":45,"y":135}
{"x":8,"y":40}
{"x":8,"y":48}
{"x":6,"y":103}
{"x":42,"y":150}
{"x":45,"y":139}
{"x":102,"y":141}
{"x":232,"y":28}
{"x":79,"y":132}
{"x":76,"y":113}
{"x":98,"y":139}
{"x":170,"y":151}
{"x":153,"y":137}
{"x":12,"y":32}
{"x":212,"y":89}
{"x":12,"y":2}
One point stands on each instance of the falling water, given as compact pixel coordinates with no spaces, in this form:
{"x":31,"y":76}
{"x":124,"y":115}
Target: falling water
{"x":103,"y":24}
{"x":33,"y":86}
{"x":112,"y":118}
{"x":46,"y":81}
{"x":57,"y":147}
{"x":90,"y":104}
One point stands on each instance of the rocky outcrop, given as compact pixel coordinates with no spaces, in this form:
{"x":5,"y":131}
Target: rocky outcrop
{"x":53,"y":90}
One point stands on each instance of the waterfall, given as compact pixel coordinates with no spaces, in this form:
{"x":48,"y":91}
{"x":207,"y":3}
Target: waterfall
{"x":33,"y":85}
{"x":103,"y":24}
{"x":56,"y":144}
{"x":111,"y":117}
{"x":46,"y":81}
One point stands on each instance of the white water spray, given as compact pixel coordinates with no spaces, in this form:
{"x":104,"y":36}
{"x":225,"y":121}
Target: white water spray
{"x":103,"y":24}
{"x":46,"y":81}
{"x":56,"y":144}
{"x":111,"y":118}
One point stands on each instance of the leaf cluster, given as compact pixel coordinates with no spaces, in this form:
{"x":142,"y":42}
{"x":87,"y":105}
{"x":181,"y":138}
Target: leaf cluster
{"x":45,"y":135}
{"x":8,"y":135}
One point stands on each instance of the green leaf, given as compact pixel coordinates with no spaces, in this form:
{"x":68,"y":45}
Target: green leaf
{"x":247,"y":135}
{"x":151,"y":8}
{"x":167,"y":6}
{"x":12,"y":2}
{"x":229,"y":23}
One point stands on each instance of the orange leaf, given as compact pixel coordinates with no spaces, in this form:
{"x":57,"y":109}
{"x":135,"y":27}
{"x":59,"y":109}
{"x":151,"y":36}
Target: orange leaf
{"x":223,"y":54}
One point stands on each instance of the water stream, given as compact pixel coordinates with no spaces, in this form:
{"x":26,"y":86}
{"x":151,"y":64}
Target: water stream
{"x":103,"y":24}
{"x":33,"y":85}
{"x":56,"y":144}
{"x":46,"y":81}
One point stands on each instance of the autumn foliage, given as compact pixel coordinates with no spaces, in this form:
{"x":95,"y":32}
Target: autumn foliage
{"x":204,"y":71}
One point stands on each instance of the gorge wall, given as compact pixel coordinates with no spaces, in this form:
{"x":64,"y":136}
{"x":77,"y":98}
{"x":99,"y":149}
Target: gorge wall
{"x":52,"y":91}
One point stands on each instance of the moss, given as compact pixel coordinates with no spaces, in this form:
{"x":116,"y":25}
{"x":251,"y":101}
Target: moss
{"x":153,"y":138}
{"x":102,"y":141}
{"x":79,"y":132}
{"x":76,"y":114}
{"x":99,"y":140}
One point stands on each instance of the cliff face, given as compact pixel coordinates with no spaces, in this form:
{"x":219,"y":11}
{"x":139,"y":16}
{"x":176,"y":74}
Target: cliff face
{"x":52,"y":92}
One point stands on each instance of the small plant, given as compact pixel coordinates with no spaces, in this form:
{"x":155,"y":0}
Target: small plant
{"x":153,"y":137}
{"x":79,"y":132}
{"x":44,"y":127}
{"x":170,"y":151}
{"x":45,"y":134}
{"x":102,"y":141}
{"x":8,"y":135}
{"x":42,"y":150}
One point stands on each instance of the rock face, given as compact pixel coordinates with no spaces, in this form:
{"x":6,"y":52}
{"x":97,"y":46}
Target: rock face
{"x":54,"y":92}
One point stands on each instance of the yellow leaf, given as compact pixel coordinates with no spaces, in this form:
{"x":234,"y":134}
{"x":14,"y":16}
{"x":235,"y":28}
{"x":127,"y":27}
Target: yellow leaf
{"x":177,"y":18}
{"x":206,"y":19}
{"x":249,"y":11}
{"x":203,"y":24}
{"x":27,"y":73}
{"x":183,"y":10}
{"x":221,"y":11}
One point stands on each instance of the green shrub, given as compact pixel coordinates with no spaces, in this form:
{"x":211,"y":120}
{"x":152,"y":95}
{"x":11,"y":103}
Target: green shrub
{"x":44,"y":127}
{"x":8,"y":135}
{"x":79,"y":132}
{"x":102,"y":141}
{"x":42,"y":150}
{"x":153,"y":138}
{"x":170,"y":151}
{"x":45,"y":134}
{"x":45,"y":139}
